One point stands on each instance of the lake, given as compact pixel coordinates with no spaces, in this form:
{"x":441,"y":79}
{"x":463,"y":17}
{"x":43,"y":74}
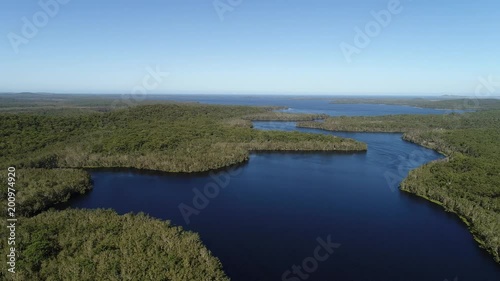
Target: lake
{"x":339,"y":216}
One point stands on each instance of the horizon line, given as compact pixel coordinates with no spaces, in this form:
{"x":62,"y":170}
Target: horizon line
{"x":252,"y":94}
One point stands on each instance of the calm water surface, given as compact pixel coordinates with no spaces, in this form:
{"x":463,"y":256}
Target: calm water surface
{"x":274,"y":208}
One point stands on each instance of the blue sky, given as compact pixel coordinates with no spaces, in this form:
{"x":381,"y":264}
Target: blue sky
{"x":258,"y":46}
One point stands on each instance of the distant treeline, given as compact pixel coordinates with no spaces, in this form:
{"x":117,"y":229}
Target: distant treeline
{"x":472,"y":103}
{"x":283,"y":116}
{"x":408,"y":123}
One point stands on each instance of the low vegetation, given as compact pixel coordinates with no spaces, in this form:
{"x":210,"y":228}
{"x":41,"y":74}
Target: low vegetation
{"x":467,"y":183}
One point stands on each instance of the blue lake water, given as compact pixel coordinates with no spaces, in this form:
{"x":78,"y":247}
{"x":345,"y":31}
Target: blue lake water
{"x":269,"y":214}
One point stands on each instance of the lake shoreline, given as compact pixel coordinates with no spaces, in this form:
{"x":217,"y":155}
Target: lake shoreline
{"x":425,"y":138}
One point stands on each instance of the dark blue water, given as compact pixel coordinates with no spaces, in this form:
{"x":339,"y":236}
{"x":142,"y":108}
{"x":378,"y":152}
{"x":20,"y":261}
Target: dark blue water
{"x":318,"y":105}
{"x":270,"y":213}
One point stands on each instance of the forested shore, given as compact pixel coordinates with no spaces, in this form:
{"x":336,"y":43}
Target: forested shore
{"x":446,"y":103}
{"x":170,"y":138}
{"x":50,"y":147}
{"x":468,"y":183}
{"x":101,"y":245}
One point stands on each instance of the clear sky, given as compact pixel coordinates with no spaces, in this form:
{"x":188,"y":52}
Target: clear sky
{"x":256,"y":46}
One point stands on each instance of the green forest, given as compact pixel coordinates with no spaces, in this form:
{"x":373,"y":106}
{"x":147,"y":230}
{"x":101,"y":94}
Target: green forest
{"x":51,"y":142}
{"x":168,"y":137}
{"x":93,"y":245}
{"x":43,"y":188}
{"x":467,"y":182}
